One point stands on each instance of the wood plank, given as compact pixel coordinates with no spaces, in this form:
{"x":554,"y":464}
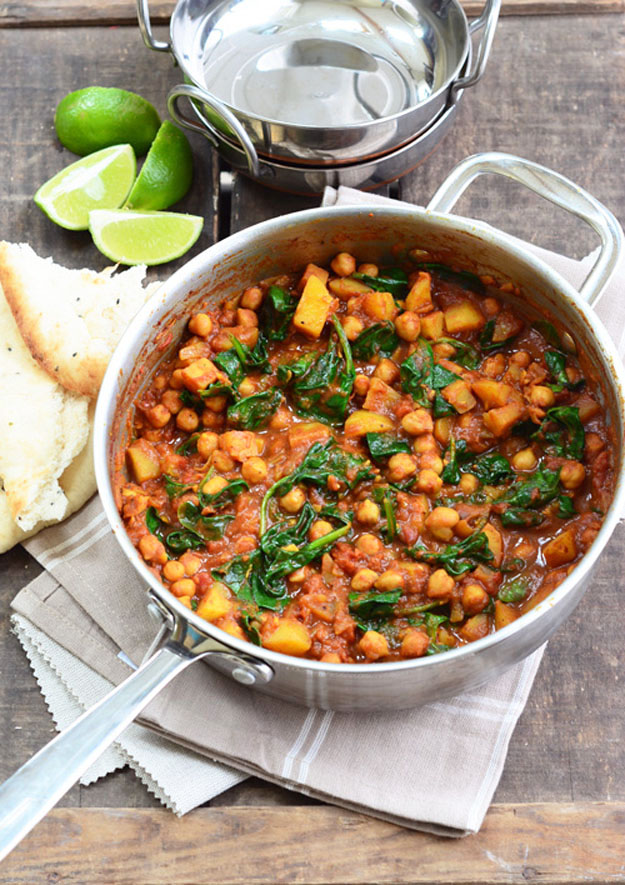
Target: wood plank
{"x":237,"y":846}
{"x":38,"y":13}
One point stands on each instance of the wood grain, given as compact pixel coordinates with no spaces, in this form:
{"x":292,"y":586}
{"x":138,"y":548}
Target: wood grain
{"x":69,"y":13}
{"x":266,"y":846}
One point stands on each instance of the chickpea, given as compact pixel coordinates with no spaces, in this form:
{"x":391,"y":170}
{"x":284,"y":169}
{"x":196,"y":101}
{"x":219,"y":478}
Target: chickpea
{"x":281,"y":419}
{"x":330,"y":657}
{"x":390,"y":580}
{"x":368,"y":512}
{"x":541,"y":396}
{"x":158,"y":415}
{"x":173,"y":570}
{"x":183,"y":587}
{"x":408,"y":325}
{"x":152,"y":550}
{"x":572,"y":474}
{"x":440,"y":584}
{"x":491,"y":307}
{"x":369,"y":544}
{"x":387,"y":371}
{"x":212,"y":420}
{"x":171,"y":400}
{"x":373,"y":645}
{"x":343,"y":264}
{"x":247,"y":387}
{"x":216,"y":403}
{"x":441,"y":522}
{"x":414,"y":644}
{"x":191,"y":563}
{"x":429,"y":482}
{"x":361,"y":385}
{"x":254,"y":470}
{"x":371,"y":270}
{"x":352,"y":327}
{"x":214,"y":485}
{"x":425,"y":442}
{"x":494,"y":365}
{"x":524,"y":460}
{"x":160,"y":382}
{"x":364,"y":579}
{"x":176,"y":381}
{"x":294,"y":500}
{"x":521,"y":358}
{"x":201,"y":324}
{"x":469,"y":483}
{"x":474,"y":599}
{"x":207,"y":443}
{"x":187,"y":419}
{"x":401,"y":466}
{"x":431,"y":461}
{"x":443,"y":351}
{"x":246,"y":317}
{"x":222,"y":461}
{"x":252,"y":298}
{"x":319,"y":528}
{"x":245,"y":544}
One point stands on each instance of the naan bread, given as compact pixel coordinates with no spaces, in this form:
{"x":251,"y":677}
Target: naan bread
{"x":71,"y":320}
{"x":43,"y":427}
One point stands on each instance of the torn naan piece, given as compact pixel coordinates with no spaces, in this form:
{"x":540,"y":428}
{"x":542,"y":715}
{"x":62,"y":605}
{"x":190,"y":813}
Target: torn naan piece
{"x":43,"y":427}
{"x":71,"y":320}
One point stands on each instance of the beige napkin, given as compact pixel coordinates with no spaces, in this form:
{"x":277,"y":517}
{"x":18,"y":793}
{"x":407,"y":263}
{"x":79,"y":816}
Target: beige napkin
{"x":84,"y":624}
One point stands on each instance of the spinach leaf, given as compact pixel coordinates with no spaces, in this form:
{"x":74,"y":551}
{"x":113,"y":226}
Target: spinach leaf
{"x":514,"y":591}
{"x":458,"y":454}
{"x":486,"y":338}
{"x":463,"y":278}
{"x":251,"y":626}
{"x":288,"y":531}
{"x":386,"y":496}
{"x":179,"y":541}
{"x":556,"y":363}
{"x":517,"y":516}
{"x":383,"y":445}
{"x":566,"y":507}
{"x":466,"y":355}
{"x":373,"y":607}
{"x":433,"y":622}
{"x":174,"y":488}
{"x":222,"y":497}
{"x":440,"y":407}
{"x":241,"y":359}
{"x":276,"y":313}
{"x":393,"y":280}
{"x":419,"y":372}
{"x":568,"y":441}
{"x":536,"y":491}
{"x":286,"y":561}
{"x":255,"y":410}
{"x":207,"y":528}
{"x":218,"y":389}
{"x":155,"y":524}
{"x":549,"y":333}
{"x":492,"y":470}
{"x":229,"y":362}
{"x":189,"y":400}
{"x":380,"y":338}
{"x":188,"y":446}
{"x":323,"y":391}
{"x":459,"y":558}
{"x":244,"y":576}
{"x":286,"y":371}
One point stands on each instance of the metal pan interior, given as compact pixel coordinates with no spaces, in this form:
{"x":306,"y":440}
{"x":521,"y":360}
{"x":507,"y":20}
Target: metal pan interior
{"x":322,"y":63}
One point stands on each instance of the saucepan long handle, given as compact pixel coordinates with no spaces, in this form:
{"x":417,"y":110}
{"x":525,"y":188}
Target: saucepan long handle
{"x":38,"y":785}
{"x":553,"y":187}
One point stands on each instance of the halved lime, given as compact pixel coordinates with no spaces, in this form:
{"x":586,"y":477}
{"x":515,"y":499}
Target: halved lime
{"x":99,"y":116}
{"x":166,"y":174}
{"x":129,"y":237}
{"x":99,"y":181}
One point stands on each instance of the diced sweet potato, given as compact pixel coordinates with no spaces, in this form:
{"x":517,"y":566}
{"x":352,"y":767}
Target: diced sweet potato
{"x":143,"y":460}
{"x":313,"y":270}
{"x":501,"y":421}
{"x":463,"y":317}
{"x":193,"y":350}
{"x":459,"y":395}
{"x":475,"y":628}
{"x":200,"y":373}
{"x":493,"y":394}
{"x":504,"y":614}
{"x":362,"y":422}
{"x":432,"y":325}
{"x":380,"y":397}
{"x":215,"y":604}
{"x":419,"y":299}
{"x":313,"y":308}
{"x":239,"y":444}
{"x":588,"y":407}
{"x":506,"y":325}
{"x":495,"y":543}
{"x":561,"y":549}
{"x":346,"y":287}
{"x":304,"y":434}
{"x":379,"y":306}
{"x":290,"y":637}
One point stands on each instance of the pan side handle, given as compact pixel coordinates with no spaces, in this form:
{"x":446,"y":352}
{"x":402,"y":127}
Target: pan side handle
{"x":553,"y":187}
{"x":37,"y":786}
{"x":145,"y":26}
{"x":488,"y":22}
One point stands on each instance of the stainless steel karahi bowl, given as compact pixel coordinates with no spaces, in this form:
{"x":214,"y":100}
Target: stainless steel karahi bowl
{"x":322,"y":81}
{"x":285,"y":244}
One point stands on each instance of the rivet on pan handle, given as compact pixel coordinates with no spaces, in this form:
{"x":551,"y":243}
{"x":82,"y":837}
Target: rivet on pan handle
{"x":145,"y":26}
{"x":230,"y":125}
{"x":553,"y":187}
{"x":487,"y":20}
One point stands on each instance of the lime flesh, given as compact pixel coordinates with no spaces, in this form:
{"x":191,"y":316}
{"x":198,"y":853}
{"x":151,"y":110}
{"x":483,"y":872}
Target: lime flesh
{"x":166,"y":174}
{"x":99,"y":181}
{"x":129,"y":237}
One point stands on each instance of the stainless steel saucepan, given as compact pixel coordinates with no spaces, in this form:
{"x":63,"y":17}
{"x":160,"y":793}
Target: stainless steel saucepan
{"x":322,"y":81}
{"x":287,"y":244}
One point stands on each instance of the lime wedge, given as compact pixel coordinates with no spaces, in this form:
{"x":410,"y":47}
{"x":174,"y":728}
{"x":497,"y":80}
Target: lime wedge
{"x":99,"y":181}
{"x":128,"y":237}
{"x":166,"y":174}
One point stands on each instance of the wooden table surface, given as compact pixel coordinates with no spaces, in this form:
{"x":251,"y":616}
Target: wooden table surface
{"x":553,"y":92}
